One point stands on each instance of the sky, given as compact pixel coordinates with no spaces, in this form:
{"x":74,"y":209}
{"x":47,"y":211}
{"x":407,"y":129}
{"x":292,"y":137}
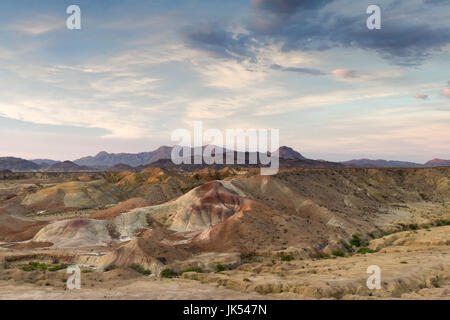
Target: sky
{"x":140,"y":69}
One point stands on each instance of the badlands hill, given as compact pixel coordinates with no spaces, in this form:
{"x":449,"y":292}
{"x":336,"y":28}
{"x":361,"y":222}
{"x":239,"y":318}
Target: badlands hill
{"x":312,"y":209}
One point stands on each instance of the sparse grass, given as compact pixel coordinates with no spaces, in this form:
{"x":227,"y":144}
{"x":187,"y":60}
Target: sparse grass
{"x":168,"y":273}
{"x":198,"y":270}
{"x":140,"y":269}
{"x":321,"y":256}
{"x":57,"y":267}
{"x":33,"y":266}
{"x":220,"y":268}
{"x":286,"y":257}
{"x":338,"y":253}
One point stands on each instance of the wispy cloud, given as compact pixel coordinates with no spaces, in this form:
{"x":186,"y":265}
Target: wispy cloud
{"x":38,"y":25}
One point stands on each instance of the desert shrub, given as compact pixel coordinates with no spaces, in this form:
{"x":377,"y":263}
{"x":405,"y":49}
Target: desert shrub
{"x":441,"y":223}
{"x":320,"y":256}
{"x":365,"y":250}
{"x":111,"y":267}
{"x":348,"y":247}
{"x":220,"y":268}
{"x":32,"y":266}
{"x":57,"y":267}
{"x":27,"y":268}
{"x":198,"y":270}
{"x":286,"y":257}
{"x":355,"y":241}
{"x":140,"y":269}
{"x":168,"y":273}
{"x":338,"y":253}
{"x":413,"y":226}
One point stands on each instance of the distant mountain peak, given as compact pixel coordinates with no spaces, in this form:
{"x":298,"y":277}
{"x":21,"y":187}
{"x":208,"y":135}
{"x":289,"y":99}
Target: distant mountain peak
{"x":289,"y":153}
{"x":438,"y":162}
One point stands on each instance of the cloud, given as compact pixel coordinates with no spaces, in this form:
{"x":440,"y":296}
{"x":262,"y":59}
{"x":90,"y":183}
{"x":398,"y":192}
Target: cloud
{"x":38,"y":25}
{"x":314,"y":72}
{"x":307,"y":25}
{"x":345,"y":73}
{"x":220,"y":42}
{"x":420,"y":96}
{"x":310,"y":26}
{"x":435,"y":1}
{"x":288,"y":6}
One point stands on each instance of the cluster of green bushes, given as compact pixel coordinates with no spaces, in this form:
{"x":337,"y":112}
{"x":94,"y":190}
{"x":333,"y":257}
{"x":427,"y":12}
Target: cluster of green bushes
{"x":441,"y":223}
{"x":220,"y":268}
{"x":110,"y":267}
{"x":355,"y":242}
{"x":198,"y":270}
{"x":140,"y":269}
{"x":32,"y":266}
{"x":338,"y":253}
{"x":57,"y":267}
{"x":168,"y":273}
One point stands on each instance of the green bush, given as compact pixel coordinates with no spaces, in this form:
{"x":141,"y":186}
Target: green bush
{"x":441,"y":223}
{"x":321,"y":256}
{"x":348,"y":247}
{"x":413,"y":226}
{"x":28,"y":268}
{"x":32,"y":266}
{"x":220,"y":268}
{"x":57,"y":267}
{"x":198,"y":270}
{"x":365,"y":250}
{"x":338,"y":253}
{"x":355,"y":241}
{"x":111,"y":267}
{"x":140,"y":269}
{"x":286,"y":257}
{"x":168,"y":273}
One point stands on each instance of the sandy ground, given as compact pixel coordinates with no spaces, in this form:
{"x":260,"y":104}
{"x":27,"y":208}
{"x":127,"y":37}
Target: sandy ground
{"x":143,"y":289}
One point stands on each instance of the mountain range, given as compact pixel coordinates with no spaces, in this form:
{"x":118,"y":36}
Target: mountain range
{"x":161,"y":158}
